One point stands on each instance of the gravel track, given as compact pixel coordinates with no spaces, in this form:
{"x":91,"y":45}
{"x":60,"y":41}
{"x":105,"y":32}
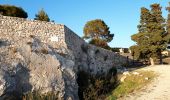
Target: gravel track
{"x":159,"y":89}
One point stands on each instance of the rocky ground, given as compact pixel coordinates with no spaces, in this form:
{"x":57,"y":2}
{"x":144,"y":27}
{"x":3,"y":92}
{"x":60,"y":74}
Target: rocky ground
{"x":159,"y":89}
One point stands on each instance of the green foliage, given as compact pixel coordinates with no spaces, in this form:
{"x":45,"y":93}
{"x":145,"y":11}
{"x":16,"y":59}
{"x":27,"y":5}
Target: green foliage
{"x":151,"y":38}
{"x":96,"y":30}
{"x":115,"y":49}
{"x":168,"y":24}
{"x":99,"y":43}
{"x":9,"y":10}
{"x":126,"y":50}
{"x":96,"y":87}
{"x":38,"y":96}
{"x":42,"y":16}
{"x":132,"y":83}
{"x":136,"y":52}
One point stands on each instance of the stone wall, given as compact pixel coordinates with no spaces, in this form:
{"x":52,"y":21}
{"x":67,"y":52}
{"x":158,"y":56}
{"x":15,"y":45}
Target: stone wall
{"x":14,"y":28}
{"x":91,"y":58}
{"x":59,"y":36}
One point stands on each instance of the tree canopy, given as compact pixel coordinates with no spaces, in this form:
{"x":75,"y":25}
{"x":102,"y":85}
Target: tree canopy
{"x":10,"y":10}
{"x":98,"y":33}
{"x":151,"y":38}
{"x":168,"y":23}
{"x":42,"y":16}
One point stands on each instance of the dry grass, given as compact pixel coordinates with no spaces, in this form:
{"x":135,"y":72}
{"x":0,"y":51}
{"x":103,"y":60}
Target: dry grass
{"x":132,"y":83}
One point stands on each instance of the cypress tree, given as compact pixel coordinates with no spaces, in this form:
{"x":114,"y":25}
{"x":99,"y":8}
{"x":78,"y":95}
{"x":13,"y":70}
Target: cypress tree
{"x":168,"y":24}
{"x":150,"y":39}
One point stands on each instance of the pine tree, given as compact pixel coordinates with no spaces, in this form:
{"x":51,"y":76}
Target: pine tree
{"x":42,"y":15}
{"x":98,"y":33}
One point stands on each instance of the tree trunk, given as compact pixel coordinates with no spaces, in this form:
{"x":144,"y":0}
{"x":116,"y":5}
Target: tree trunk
{"x":160,"y":58}
{"x":152,"y":61}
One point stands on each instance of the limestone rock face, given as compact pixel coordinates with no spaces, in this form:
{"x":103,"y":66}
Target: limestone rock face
{"x":33,"y":65}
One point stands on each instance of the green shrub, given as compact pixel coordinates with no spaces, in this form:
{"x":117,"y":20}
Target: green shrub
{"x":95,"y":87}
{"x":9,"y":10}
{"x":100,"y":43}
{"x":132,"y":83}
{"x":125,"y":65}
{"x":115,"y":49}
{"x":38,"y":96}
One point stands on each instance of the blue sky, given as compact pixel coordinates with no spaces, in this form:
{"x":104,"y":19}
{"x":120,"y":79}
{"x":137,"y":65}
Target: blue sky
{"x":122,"y":16}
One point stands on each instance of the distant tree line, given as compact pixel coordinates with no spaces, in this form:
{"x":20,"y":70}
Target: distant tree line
{"x":153,"y":34}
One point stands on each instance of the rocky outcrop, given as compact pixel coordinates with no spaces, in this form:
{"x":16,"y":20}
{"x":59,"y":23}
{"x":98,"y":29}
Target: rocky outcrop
{"x":33,"y":65}
{"x":44,"y":57}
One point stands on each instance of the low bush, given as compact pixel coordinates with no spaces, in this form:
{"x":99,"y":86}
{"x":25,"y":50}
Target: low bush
{"x":132,"y":83}
{"x":95,"y":87}
{"x":100,"y":43}
{"x":38,"y":96}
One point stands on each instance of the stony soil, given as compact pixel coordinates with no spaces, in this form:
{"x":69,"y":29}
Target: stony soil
{"x":159,"y":89}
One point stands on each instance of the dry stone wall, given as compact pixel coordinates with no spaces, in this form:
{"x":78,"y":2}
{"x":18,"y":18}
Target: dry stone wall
{"x":90,"y":58}
{"x":14,"y":28}
{"x":51,"y":46}
{"x":59,"y":36}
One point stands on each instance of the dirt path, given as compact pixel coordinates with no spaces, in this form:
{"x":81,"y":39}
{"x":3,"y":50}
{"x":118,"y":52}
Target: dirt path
{"x":159,"y":89}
